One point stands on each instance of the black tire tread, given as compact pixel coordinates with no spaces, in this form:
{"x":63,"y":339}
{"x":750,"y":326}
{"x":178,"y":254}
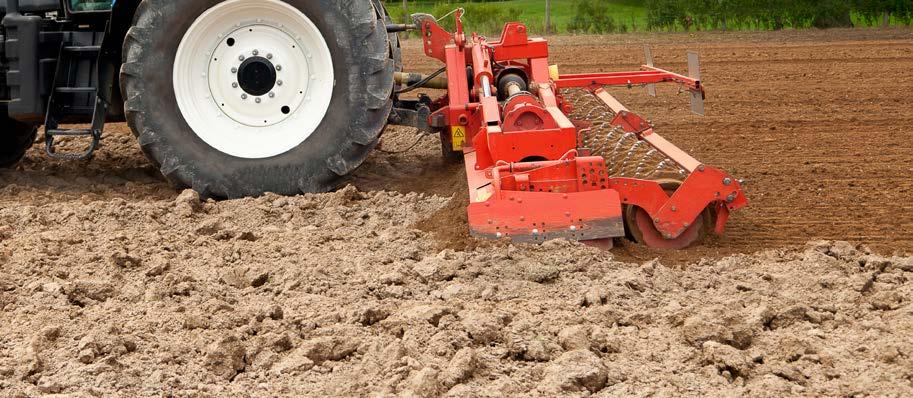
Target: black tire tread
{"x":15,"y":139}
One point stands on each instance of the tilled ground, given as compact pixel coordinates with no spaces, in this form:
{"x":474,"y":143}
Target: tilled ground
{"x":113,"y":284}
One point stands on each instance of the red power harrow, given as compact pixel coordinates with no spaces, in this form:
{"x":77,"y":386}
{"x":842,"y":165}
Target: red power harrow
{"x":529,"y":178}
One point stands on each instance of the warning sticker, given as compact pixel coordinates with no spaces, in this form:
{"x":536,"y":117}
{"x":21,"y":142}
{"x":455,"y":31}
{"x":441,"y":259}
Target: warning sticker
{"x":458,"y":137}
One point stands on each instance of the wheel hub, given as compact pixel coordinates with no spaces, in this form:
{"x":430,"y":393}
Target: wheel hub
{"x":257,"y":76}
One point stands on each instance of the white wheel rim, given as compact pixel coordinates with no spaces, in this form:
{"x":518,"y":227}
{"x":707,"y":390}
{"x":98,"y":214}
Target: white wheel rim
{"x":215,"y":103}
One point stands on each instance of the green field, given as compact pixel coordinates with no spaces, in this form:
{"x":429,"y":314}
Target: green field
{"x":630,"y":13}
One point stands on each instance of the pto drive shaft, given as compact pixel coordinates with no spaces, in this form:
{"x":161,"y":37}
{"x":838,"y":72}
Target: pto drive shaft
{"x":416,"y":80}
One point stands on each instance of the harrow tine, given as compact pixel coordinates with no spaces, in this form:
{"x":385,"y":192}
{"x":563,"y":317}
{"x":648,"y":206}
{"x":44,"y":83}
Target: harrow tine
{"x":648,"y":53}
{"x":694,"y":72}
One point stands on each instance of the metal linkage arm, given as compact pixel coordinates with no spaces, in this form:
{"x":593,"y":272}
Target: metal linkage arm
{"x":650,"y":75}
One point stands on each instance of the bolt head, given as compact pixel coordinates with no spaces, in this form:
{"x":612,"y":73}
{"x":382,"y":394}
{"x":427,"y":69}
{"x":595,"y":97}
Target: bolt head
{"x":499,"y":235}
{"x":256,"y":52}
{"x":535,"y":232}
{"x":269,"y":56}
{"x":272,"y":95}
{"x":234,"y":70}
{"x":244,"y":96}
{"x":573,"y":227}
{"x":727,"y":181}
{"x":234,"y":85}
{"x":241,"y":57}
{"x":258,"y":100}
{"x":278,"y":82}
{"x":278,"y":67}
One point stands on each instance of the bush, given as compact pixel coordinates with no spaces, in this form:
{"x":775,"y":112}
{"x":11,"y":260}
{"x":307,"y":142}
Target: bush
{"x":594,"y":16}
{"x":664,"y":14}
{"x":480,"y":17}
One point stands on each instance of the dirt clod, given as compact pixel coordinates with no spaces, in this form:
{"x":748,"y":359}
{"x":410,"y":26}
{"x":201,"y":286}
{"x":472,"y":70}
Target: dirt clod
{"x":225,"y":358}
{"x":575,"y":371}
{"x":188,"y":203}
{"x":330,"y":348}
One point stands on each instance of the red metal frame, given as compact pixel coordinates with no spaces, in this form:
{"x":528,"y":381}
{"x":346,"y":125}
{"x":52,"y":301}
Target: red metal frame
{"x":526,"y":180}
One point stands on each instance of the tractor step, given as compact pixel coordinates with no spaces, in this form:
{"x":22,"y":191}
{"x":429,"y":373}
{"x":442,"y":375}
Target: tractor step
{"x":51,"y":150}
{"x":76,"y":92}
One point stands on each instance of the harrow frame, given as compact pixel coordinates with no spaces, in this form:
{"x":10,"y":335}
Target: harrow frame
{"x":528,"y":180}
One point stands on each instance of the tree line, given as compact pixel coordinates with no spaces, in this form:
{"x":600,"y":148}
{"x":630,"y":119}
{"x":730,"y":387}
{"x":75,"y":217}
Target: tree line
{"x":774,"y":14}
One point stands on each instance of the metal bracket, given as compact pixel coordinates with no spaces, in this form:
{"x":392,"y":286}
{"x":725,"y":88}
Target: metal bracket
{"x":417,"y":117}
{"x":648,"y":54}
{"x":694,"y":72}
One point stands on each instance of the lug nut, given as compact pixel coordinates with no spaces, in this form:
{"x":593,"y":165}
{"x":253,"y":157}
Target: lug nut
{"x":234,"y":70}
{"x":272,"y":95}
{"x":278,"y":82}
{"x":258,"y":100}
{"x":234,"y":85}
{"x":279,"y":67}
{"x":241,"y":57}
{"x":256,"y":52}
{"x":269,"y":56}
{"x":244,"y":96}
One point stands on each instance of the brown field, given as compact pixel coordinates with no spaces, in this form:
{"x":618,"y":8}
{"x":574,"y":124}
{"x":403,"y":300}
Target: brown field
{"x":113,"y":285}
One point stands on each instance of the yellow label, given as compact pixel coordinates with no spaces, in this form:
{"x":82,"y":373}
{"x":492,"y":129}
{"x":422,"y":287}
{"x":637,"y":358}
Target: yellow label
{"x":458,"y":137}
{"x":483,"y":194}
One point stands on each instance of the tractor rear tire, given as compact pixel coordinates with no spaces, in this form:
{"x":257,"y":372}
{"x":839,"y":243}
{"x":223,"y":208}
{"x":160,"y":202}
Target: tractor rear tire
{"x":336,"y":113}
{"x":15,"y":138}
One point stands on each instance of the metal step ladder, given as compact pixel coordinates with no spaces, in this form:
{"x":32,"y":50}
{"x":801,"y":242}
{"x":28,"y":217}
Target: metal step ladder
{"x":75,"y":93}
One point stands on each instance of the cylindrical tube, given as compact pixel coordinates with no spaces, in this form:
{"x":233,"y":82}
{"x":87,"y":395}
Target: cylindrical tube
{"x":411,"y":79}
{"x":481,"y":67}
{"x":486,"y":86}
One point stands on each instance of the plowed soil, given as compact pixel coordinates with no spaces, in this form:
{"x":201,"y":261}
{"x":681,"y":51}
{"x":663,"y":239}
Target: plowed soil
{"x":113,"y":283}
